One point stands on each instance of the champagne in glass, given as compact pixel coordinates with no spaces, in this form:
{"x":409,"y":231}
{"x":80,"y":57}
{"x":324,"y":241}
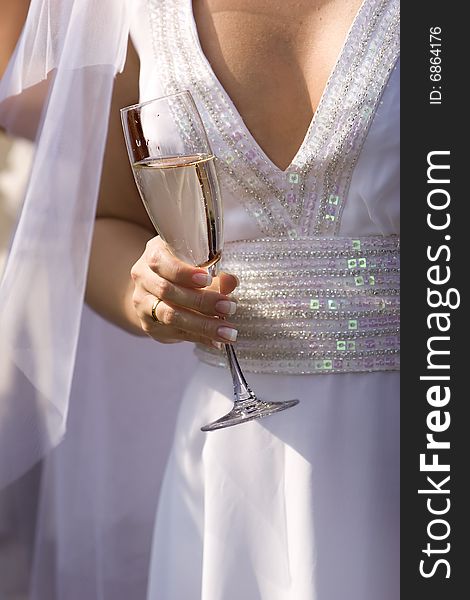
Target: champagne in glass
{"x":180,"y":195}
{"x":174,"y":170}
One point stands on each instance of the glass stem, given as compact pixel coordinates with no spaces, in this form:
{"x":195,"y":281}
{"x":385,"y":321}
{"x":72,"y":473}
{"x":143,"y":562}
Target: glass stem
{"x":241,"y":391}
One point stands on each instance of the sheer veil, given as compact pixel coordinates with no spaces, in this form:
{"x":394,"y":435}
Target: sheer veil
{"x":57,"y":90}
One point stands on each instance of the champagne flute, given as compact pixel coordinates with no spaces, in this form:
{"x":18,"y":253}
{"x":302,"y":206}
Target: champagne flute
{"x":174,"y":170}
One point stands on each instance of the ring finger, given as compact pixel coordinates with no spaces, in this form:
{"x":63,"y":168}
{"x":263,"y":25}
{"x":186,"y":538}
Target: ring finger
{"x":191,"y":322}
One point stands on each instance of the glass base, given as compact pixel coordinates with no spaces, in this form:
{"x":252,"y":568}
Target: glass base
{"x":247,"y":410}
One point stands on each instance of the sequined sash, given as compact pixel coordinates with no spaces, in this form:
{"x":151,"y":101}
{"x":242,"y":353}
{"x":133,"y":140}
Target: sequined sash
{"x":315,"y":305}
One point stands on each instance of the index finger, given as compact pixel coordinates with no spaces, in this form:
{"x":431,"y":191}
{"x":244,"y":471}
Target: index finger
{"x":169,"y":267}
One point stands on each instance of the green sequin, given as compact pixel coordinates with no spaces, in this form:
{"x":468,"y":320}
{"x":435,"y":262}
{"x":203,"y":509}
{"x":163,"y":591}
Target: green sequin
{"x":332,"y":305}
{"x":314,"y":304}
{"x":359,"y":280}
{"x":352,"y":263}
{"x":352,"y":324}
{"x":333,"y":199}
{"x":366,"y":112}
{"x":362,"y":262}
{"x":356,"y":244}
{"x":294,"y":178}
{"x":341,"y":345}
{"x":372,"y":280}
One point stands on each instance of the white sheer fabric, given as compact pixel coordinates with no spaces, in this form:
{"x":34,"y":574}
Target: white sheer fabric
{"x":18,"y":501}
{"x":57,"y":88}
{"x":100,"y":486}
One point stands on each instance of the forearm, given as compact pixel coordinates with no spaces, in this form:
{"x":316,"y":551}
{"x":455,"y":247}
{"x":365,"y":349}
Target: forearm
{"x":117,"y":245}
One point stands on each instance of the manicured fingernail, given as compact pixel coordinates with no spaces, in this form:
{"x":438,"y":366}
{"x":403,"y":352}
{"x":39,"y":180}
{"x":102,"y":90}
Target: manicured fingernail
{"x":202,"y":279}
{"x":226,"y":307}
{"x":227,"y":333}
{"x":238,"y":280}
{"x":217,"y":345}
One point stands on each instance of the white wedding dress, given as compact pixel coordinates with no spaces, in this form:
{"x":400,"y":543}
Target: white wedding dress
{"x":303,"y":505}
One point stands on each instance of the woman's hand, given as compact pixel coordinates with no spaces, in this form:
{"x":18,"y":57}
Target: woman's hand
{"x":189,"y":299}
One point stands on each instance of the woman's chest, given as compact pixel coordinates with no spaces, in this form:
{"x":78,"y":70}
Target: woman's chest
{"x":273,"y":58}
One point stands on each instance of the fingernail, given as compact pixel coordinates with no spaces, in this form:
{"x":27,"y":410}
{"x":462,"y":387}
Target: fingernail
{"x":217,"y":345}
{"x":237,"y":278}
{"x":202,"y":279}
{"x":227,"y":333}
{"x":226,"y":307}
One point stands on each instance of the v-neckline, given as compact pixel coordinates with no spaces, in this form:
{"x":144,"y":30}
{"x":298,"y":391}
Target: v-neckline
{"x":295,"y":162}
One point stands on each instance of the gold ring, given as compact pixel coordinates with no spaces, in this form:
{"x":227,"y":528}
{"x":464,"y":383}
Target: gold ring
{"x":154,"y":311}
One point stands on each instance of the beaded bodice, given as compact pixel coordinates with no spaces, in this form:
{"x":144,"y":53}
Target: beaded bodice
{"x":308,"y":197}
{"x":343,"y":309}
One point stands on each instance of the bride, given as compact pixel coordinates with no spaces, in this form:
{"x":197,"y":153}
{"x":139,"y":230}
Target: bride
{"x":300,"y":101}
